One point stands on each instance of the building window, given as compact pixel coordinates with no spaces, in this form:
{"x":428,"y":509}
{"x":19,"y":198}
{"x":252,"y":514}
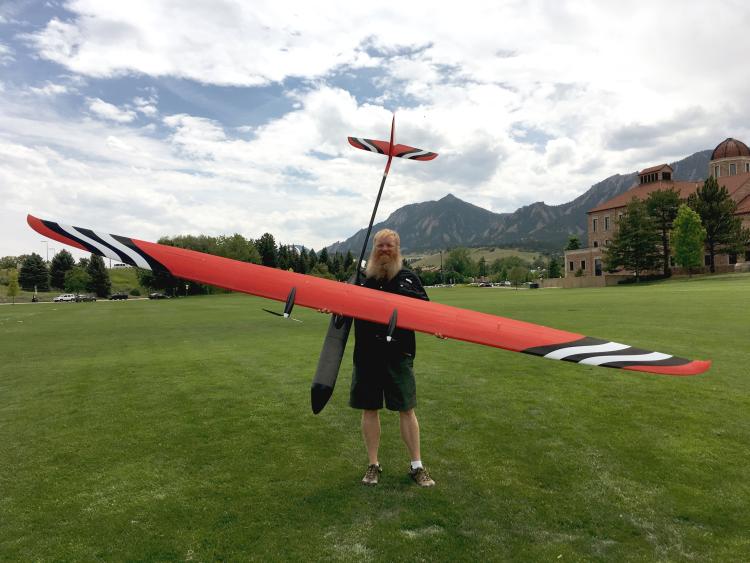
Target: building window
{"x":606,"y":223}
{"x":666,"y":176}
{"x":747,"y":167}
{"x":606,"y":242}
{"x":733,"y":169}
{"x":598,"y":267}
{"x":596,"y":244}
{"x":593,"y":225}
{"x":571,"y":267}
{"x":619,"y":216}
{"x":732,"y":258}
{"x":707,"y":260}
{"x":747,"y":256}
{"x":583,"y":265}
{"x":716,"y":171}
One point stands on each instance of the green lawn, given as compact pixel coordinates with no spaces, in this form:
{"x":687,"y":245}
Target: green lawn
{"x":181,"y":430}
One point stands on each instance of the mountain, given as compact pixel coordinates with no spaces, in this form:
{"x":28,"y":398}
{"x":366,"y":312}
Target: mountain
{"x":450,"y":221}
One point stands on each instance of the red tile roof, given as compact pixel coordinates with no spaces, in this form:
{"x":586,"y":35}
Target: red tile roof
{"x":641,"y":191}
{"x":655,"y":169}
{"x":737,"y":186}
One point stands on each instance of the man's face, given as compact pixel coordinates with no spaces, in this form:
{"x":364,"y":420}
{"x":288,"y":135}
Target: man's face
{"x":386,"y":247}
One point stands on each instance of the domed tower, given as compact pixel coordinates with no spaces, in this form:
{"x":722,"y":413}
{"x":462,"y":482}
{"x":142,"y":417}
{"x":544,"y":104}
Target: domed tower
{"x":730,"y":157}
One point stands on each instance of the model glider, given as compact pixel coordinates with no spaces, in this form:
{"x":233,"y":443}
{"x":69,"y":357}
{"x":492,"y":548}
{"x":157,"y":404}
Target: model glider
{"x":354,"y":301}
{"x":334,"y":344}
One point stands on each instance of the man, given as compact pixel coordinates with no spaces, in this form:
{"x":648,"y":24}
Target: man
{"x":384,"y":370}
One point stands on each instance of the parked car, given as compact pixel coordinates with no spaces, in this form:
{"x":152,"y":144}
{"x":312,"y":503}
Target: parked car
{"x":118,"y":296}
{"x":85,"y":298}
{"x":157,"y":295}
{"x":64,"y":297}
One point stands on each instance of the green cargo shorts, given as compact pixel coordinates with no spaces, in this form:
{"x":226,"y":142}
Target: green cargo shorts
{"x":391,"y":379}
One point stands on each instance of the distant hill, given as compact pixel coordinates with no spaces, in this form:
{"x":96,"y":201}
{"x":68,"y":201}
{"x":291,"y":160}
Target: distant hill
{"x":450,"y":221}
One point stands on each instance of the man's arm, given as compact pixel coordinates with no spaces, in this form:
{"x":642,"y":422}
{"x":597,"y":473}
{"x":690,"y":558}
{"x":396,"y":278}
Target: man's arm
{"x":410,"y":285}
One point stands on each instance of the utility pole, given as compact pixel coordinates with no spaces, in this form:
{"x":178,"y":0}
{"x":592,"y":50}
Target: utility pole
{"x":46,"y":245}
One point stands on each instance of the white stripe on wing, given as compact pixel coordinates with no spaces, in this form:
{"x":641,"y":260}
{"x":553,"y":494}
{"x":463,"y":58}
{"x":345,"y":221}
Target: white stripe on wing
{"x":137,"y":258}
{"x":593,"y":349}
{"x":645,"y":358}
{"x":104,"y":249}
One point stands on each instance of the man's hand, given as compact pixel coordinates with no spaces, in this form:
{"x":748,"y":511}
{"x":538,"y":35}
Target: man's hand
{"x":440,"y":336}
{"x":325,"y":311}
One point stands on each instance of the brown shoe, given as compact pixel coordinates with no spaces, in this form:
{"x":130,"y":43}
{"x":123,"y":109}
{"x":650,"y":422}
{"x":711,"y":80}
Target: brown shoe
{"x":421,"y":477}
{"x":372,"y":474}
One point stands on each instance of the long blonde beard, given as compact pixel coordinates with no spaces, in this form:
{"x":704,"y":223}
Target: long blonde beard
{"x":384,"y":267}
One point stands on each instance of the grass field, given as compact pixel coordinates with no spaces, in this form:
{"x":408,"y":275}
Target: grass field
{"x":181,"y":430}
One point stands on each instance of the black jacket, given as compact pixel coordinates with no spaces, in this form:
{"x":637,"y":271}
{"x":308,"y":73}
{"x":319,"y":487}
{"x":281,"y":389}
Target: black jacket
{"x":371,"y":344}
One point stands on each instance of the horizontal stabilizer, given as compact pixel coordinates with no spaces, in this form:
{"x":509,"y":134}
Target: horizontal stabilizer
{"x":384,"y":148}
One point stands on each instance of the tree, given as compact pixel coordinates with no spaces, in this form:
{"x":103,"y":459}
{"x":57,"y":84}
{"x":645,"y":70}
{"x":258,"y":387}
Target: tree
{"x":459,"y":260}
{"x":573,"y":243}
{"x":61,"y":263}
{"x":518,"y":275}
{"x":323,"y":257}
{"x":8,"y":262}
{"x":482,"y":267}
{"x":662,"y":206}
{"x":321,"y":271}
{"x":76,"y":280}
{"x":716,"y":209}
{"x":266,"y":246}
{"x":99,"y":282}
{"x":688,"y":237}
{"x":237,"y":247}
{"x":635,"y":244}
{"x":34,"y":274}
{"x":554,"y":270}
{"x":13,"y":285}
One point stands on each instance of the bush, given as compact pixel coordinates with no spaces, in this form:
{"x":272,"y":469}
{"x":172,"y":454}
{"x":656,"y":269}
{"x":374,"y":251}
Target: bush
{"x":654,"y":277}
{"x":135,"y":292}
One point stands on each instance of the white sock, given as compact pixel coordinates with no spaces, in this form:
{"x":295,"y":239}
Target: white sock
{"x":416,"y":464}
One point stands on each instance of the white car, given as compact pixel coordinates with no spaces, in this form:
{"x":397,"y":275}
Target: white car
{"x":65,"y":297}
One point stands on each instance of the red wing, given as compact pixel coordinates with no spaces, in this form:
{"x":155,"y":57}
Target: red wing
{"x":370,"y":305}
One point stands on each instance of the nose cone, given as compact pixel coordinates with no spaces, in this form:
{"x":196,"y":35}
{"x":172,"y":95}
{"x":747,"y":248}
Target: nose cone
{"x":319,"y":395}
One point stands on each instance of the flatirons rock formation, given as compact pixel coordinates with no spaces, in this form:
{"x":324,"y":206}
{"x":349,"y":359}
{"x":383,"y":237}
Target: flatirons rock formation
{"x":451,"y":222}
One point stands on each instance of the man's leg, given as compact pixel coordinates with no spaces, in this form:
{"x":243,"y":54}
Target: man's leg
{"x":410,"y":432}
{"x":371,"y":434}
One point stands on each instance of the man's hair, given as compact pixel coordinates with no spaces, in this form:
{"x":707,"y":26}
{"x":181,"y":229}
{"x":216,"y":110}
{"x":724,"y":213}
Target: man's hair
{"x":378,"y":270}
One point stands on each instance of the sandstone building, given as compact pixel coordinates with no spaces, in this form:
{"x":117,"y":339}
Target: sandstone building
{"x":729,"y":164}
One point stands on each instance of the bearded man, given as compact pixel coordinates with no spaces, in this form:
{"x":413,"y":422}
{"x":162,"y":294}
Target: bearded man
{"x":385,"y":370}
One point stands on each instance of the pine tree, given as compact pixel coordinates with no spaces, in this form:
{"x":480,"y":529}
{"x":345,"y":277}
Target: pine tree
{"x":13,"y":285}
{"x":266,"y":246}
{"x":635,"y":244}
{"x":554,"y":268}
{"x":62,"y":263}
{"x":573,"y":243}
{"x":34,"y":274}
{"x":687,"y":238}
{"x":662,"y":206}
{"x":716,"y":210}
{"x":99,"y":282}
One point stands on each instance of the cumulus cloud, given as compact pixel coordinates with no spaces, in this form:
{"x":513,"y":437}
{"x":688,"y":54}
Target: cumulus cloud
{"x":6,"y":55}
{"x":50,"y":89}
{"x":532,"y":101}
{"x":110,"y":111}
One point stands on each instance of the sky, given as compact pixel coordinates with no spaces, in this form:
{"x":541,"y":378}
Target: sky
{"x":153,"y":118}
